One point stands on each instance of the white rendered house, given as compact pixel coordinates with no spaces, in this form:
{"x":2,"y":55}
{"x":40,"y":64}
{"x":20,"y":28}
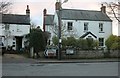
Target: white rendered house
{"x":13,"y":29}
{"x":84,"y":24}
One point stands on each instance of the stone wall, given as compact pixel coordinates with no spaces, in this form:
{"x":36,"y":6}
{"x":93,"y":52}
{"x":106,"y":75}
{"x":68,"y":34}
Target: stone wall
{"x":91,"y":54}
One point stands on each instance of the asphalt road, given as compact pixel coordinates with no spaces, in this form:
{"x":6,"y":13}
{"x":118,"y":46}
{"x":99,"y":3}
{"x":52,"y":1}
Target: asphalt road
{"x":60,"y":69}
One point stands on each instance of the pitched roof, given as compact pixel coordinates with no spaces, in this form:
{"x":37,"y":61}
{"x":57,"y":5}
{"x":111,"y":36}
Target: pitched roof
{"x":84,"y":35}
{"x":49,"y":19}
{"x":15,"y":19}
{"x":73,"y":14}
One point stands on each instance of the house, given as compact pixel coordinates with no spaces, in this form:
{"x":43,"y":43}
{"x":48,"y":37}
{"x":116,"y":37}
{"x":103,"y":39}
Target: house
{"x":13,"y":29}
{"x":83,"y":24}
{"x":48,"y":25}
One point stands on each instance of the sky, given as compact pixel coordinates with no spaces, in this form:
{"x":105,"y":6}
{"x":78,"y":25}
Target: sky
{"x":37,"y":7}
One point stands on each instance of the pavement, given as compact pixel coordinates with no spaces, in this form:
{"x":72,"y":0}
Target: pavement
{"x":14,"y":58}
{"x":77,"y":61}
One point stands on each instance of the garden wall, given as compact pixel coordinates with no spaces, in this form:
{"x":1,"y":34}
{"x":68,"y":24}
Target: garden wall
{"x":91,"y":54}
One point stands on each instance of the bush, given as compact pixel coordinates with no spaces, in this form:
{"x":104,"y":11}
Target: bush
{"x":85,"y":44}
{"x":113,"y":43}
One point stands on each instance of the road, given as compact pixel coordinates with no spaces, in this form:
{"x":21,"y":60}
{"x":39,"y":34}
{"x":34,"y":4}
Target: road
{"x":60,"y":69}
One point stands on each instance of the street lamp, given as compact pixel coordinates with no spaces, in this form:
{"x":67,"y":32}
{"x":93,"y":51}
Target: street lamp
{"x":59,"y":28}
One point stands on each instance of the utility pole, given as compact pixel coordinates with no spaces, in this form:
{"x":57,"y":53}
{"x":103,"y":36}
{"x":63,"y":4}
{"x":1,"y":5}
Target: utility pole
{"x":59,"y":31}
{"x":59,"y":26}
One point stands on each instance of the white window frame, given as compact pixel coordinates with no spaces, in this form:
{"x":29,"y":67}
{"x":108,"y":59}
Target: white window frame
{"x":101,"y":42}
{"x":101,"y":27}
{"x":69,"y":26}
{"x":86,"y":26}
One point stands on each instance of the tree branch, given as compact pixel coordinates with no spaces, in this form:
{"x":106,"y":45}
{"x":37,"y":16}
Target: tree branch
{"x":114,"y":13}
{"x":4,"y":6}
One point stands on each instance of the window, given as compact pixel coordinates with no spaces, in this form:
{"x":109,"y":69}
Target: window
{"x":13,"y":42}
{"x":13,"y":45}
{"x":100,"y":27}
{"x":0,"y":38}
{"x":85,"y":26}
{"x":7,"y":26}
{"x":70,"y":26}
{"x":101,"y":41}
{"x":14,"y":38}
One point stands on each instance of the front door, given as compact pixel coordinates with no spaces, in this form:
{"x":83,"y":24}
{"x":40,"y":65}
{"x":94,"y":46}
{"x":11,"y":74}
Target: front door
{"x":18,"y":43}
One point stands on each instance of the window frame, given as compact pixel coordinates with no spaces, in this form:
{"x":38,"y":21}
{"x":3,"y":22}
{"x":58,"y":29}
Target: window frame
{"x":86,"y":26}
{"x":69,"y":26}
{"x":101,"y":28}
{"x":101,"y":42}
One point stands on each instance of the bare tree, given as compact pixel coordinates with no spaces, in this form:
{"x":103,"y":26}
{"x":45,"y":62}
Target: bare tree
{"x":54,"y":29}
{"x":4,"y":6}
{"x":64,"y":31}
{"x":114,"y":8}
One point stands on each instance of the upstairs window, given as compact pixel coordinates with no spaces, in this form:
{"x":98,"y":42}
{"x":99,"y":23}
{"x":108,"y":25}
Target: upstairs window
{"x":85,"y":26}
{"x":7,"y":26}
{"x":70,"y":26}
{"x":101,"y":41}
{"x":100,"y":27}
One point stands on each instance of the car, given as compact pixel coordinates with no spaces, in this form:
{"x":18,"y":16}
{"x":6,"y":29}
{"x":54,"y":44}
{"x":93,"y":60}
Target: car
{"x":50,"y":52}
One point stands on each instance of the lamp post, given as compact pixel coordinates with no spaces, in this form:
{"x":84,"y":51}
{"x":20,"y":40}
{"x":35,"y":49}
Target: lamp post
{"x":59,"y":28}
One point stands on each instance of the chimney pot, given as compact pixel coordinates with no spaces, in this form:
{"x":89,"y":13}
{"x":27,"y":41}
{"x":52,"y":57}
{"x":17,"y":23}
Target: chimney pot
{"x":45,"y":12}
{"x":103,"y":8}
{"x":57,"y":6}
{"x":27,"y":10}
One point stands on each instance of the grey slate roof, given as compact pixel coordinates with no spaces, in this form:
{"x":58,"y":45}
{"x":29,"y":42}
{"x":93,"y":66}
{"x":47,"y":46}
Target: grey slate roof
{"x":15,"y":19}
{"x":73,"y":14}
{"x":49,"y":19}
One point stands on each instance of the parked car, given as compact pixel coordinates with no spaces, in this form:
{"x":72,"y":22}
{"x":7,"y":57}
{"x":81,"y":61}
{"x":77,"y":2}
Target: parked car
{"x":50,"y":52}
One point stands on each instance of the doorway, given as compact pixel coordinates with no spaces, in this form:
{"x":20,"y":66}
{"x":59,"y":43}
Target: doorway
{"x":18,"y":43}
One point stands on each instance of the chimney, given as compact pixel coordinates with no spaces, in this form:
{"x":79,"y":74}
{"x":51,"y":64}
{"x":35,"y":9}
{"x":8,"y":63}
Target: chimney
{"x":44,"y":15}
{"x":27,"y":10}
{"x":44,"y":12}
{"x":103,"y":9}
{"x":57,"y":5}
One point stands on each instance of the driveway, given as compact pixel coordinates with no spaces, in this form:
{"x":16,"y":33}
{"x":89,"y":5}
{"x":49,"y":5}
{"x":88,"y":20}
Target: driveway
{"x":15,"y":58}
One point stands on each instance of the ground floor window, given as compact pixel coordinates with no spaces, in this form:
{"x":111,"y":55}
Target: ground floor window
{"x":101,"y":41}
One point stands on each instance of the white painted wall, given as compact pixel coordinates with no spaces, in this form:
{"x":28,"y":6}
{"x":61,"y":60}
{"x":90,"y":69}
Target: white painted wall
{"x":78,"y":28}
{"x":19,"y":30}
{"x":15,"y":30}
{"x":51,"y":30}
{"x":1,"y":29}
{"x":93,"y":26}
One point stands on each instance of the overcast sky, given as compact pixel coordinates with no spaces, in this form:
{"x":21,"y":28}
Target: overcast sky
{"x":37,"y":6}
